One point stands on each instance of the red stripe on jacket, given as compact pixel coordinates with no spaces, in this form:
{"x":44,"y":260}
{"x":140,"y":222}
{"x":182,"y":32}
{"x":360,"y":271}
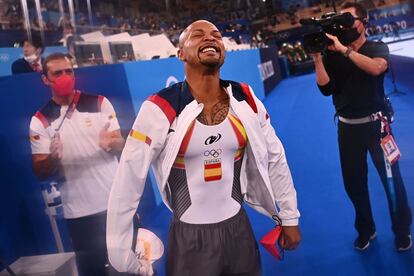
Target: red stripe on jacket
{"x":250,"y":100}
{"x":165,"y":106}
{"x":100,"y":100}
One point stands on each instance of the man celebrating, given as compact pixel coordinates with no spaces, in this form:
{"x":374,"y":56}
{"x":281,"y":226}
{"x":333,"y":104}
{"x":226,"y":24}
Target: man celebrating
{"x":75,"y":136}
{"x":31,"y":61}
{"x":353,"y":73}
{"x":212,"y":148}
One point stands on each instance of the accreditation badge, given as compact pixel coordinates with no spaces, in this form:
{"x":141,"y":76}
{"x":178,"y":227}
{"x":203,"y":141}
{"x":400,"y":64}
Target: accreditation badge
{"x":390,"y":148}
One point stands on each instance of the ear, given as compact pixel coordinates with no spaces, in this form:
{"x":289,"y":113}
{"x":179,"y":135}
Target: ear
{"x":45,"y":80}
{"x":180,"y":55}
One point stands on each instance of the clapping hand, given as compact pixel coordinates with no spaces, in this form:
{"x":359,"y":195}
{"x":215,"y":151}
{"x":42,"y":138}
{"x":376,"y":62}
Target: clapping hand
{"x":105,"y":138}
{"x":56,"y":147}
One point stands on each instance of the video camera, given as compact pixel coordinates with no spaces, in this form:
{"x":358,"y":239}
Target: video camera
{"x":331,"y":23}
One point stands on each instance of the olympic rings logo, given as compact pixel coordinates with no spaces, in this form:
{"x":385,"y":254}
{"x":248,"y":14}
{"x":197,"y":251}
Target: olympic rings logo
{"x":4,"y":57}
{"x":284,"y":35}
{"x":213,"y":153}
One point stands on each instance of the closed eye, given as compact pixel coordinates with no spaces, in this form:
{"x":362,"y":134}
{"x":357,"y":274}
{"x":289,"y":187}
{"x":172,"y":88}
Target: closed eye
{"x":197,"y":34}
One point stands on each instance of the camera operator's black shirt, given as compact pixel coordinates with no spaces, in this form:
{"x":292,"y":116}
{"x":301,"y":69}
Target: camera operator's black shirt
{"x":355,"y":93}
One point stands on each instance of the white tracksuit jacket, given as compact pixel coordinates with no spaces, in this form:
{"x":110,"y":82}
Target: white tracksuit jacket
{"x":155,"y":139}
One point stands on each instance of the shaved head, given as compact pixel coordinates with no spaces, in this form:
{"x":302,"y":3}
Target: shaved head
{"x":201,"y":45}
{"x":184,"y":34}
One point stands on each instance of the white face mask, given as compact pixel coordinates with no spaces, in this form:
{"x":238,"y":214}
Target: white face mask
{"x":30,"y":58}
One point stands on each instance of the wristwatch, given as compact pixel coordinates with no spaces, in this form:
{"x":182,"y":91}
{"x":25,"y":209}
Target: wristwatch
{"x":347,"y":52}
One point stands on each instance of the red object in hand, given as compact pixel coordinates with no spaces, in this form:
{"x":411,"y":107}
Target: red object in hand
{"x":270,"y":242}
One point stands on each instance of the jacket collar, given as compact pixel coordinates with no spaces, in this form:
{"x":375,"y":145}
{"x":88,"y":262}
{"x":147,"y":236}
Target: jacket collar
{"x":186,"y":97}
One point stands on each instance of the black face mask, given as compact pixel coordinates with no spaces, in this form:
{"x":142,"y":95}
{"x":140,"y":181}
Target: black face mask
{"x":346,"y":37}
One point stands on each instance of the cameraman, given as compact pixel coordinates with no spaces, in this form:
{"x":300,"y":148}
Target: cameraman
{"x":352,"y":71}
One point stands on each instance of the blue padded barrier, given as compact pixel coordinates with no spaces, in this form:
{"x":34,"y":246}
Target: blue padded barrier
{"x":403,"y":72}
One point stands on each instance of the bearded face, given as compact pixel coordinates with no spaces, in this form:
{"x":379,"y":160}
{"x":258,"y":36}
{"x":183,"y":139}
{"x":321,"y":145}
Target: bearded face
{"x":202,"y":45}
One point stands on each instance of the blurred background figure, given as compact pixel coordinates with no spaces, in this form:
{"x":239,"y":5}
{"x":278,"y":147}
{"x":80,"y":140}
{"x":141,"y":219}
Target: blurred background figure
{"x":77,"y":134}
{"x":32,"y":57}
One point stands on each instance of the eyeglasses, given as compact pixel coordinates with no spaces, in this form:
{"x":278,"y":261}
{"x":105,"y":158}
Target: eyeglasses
{"x":57,"y":73}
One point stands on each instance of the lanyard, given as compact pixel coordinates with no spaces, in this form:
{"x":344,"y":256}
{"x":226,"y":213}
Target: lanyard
{"x":70,"y":110}
{"x":385,"y":125}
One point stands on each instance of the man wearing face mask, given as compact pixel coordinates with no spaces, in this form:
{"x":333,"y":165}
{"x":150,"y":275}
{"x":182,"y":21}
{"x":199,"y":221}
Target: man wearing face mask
{"x":32,"y":55}
{"x":75,"y":138}
{"x":352,"y":71}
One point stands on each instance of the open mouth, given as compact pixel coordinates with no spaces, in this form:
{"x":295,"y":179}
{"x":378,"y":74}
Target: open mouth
{"x":209,"y":49}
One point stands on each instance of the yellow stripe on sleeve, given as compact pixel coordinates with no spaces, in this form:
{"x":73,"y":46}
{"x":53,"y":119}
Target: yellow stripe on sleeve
{"x":140,"y":136}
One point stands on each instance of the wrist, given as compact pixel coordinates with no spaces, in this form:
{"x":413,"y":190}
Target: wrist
{"x":290,"y":222}
{"x":317,"y":57}
{"x":347,"y":51}
{"x":54,"y":158}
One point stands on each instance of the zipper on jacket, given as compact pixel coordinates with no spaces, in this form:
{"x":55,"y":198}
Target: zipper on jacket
{"x":174,"y":151}
{"x":257,"y":161}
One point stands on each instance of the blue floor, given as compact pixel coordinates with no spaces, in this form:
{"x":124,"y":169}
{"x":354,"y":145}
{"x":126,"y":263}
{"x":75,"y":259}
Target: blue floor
{"x":303,"y":119}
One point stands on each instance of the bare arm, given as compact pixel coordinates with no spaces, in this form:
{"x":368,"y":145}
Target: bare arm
{"x":44,"y":165}
{"x":47,"y":164}
{"x":373,"y":66}
{"x":322,"y":77}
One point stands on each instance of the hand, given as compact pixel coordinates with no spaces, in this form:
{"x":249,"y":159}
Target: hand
{"x":56,"y":147}
{"x":145,"y":268}
{"x":105,"y":138}
{"x":290,"y":237}
{"x":316,"y":57}
{"x":337,"y":45}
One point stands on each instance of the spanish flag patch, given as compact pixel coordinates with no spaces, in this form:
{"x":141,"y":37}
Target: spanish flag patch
{"x":140,"y":136}
{"x":212,"y":170}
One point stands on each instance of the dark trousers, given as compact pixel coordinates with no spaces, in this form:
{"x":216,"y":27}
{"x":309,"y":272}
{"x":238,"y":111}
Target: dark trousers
{"x":88,"y":236}
{"x":224,"y":248}
{"x":355,"y":141}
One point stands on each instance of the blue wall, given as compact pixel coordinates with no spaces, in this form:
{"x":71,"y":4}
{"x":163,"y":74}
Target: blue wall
{"x":24,"y":227}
